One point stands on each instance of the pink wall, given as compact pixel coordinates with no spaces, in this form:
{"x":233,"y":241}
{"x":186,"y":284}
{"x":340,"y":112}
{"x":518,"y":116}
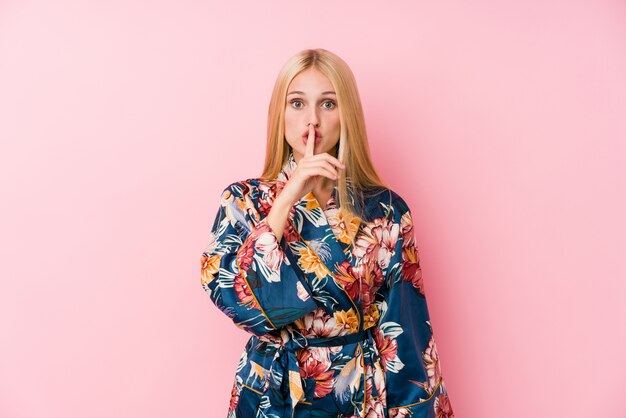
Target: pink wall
{"x":503,"y":125}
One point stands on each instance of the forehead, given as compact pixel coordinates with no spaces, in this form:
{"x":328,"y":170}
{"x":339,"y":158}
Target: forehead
{"x":310,"y":80}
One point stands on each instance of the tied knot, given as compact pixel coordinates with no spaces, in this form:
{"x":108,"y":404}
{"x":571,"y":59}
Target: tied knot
{"x":293,"y":340}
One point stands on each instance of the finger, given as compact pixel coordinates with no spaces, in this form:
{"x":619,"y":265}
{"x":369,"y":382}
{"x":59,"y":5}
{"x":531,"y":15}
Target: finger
{"x":331,"y":168}
{"x":310,"y":142}
{"x":328,"y":167}
{"x":323,"y":171}
{"x":334,"y":161}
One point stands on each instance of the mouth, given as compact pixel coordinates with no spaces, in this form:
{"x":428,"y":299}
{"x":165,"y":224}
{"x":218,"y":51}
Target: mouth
{"x":305,"y":135}
{"x":305,"y":139}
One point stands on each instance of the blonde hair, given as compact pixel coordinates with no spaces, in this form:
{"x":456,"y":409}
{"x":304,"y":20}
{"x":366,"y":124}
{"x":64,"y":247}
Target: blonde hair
{"x":353,"y":148}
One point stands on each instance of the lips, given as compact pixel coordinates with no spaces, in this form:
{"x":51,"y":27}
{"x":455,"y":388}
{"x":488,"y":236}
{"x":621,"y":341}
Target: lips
{"x":306,"y":134}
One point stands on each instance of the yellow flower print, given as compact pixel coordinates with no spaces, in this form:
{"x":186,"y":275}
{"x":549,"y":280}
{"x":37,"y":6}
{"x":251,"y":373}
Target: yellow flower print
{"x":311,"y":201}
{"x":311,"y":263}
{"x":347,"y":321}
{"x":371,"y":317}
{"x":209,"y":267}
{"x":344,"y":224}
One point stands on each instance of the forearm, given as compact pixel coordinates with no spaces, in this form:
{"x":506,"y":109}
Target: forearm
{"x":246,"y":273}
{"x":278,"y":216}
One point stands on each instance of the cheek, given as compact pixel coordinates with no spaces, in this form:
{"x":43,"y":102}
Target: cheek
{"x":290,"y":120}
{"x":334,"y":122}
{"x":292,"y":129}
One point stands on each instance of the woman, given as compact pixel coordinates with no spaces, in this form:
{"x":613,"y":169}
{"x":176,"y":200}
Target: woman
{"x":317,"y":260}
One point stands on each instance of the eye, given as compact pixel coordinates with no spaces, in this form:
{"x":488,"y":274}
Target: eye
{"x":296,"y":101}
{"x":331,"y":103}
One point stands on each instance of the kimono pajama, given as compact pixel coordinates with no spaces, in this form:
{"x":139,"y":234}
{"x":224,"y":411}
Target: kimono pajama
{"x":337,"y":330}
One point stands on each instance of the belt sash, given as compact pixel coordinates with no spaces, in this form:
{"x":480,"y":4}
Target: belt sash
{"x":286,"y":357}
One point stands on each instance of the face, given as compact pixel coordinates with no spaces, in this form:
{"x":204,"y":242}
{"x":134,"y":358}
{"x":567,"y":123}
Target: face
{"x":311,"y":99}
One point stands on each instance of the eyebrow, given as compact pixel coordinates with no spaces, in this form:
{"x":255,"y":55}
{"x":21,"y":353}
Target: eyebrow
{"x":302,"y":93}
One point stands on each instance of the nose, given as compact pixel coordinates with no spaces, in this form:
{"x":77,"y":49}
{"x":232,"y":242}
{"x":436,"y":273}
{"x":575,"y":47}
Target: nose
{"x":314,"y":118}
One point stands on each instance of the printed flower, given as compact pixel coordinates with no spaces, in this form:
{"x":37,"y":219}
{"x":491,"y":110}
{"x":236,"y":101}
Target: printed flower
{"x":387,"y":347}
{"x":234,"y":398}
{"x":399,"y":412}
{"x":315,"y":363}
{"x":374,"y":378}
{"x":433,"y":368}
{"x":365,"y":245}
{"x":317,"y":324}
{"x":310,"y":201}
{"x":378,"y":240}
{"x":371,"y":277}
{"x":347,"y":321}
{"x":311,"y":263}
{"x":209,"y":267}
{"x":406,"y":227}
{"x":411,"y":270}
{"x":344,"y":225}
{"x":245,"y":255}
{"x":267,"y":246}
{"x":370,"y":318}
{"x":375,"y":408}
{"x":443,"y":407}
{"x":360,"y":282}
{"x":345,"y":275}
{"x":386,"y":233}
{"x":244,"y":293}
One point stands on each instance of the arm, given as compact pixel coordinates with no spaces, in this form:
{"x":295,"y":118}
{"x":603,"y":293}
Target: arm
{"x":404,"y":335}
{"x":246,"y":273}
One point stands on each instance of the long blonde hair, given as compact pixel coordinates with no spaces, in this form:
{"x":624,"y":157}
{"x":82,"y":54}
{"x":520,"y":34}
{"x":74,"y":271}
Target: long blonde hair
{"x":353,"y":148}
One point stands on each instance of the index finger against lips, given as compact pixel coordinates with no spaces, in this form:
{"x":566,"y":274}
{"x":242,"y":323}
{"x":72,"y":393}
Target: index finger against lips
{"x":310,"y":142}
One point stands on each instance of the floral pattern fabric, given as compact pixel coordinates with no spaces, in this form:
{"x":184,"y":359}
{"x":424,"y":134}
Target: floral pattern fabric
{"x":315,"y":286}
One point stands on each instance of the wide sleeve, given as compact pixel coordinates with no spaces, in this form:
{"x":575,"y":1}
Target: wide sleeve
{"x":245,"y":271}
{"x":404,"y":336}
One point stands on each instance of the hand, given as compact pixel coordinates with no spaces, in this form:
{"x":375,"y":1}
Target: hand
{"x":310,"y":168}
